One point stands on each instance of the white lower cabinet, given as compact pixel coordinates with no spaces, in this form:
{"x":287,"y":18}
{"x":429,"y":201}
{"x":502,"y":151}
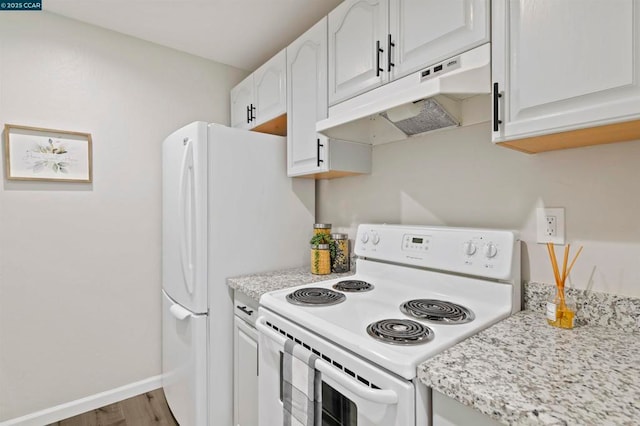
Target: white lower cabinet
{"x":245,"y":363}
{"x":449,"y":412}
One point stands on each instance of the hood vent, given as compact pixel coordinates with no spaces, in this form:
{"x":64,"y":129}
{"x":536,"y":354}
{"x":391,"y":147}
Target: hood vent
{"x":427,"y":100}
{"x":420,"y":117}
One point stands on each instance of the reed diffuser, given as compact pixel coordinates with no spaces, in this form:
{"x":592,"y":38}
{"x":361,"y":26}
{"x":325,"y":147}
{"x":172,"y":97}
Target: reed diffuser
{"x":561,"y":311}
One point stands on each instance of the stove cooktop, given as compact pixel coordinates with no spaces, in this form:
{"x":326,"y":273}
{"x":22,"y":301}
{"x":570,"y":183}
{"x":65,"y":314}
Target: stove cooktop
{"x":467,"y":304}
{"x":315,"y":296}
{"x":439,"y":311}
{"x":353,"y":286}
{"x":346,"y":323}
{"x":400,"y":332}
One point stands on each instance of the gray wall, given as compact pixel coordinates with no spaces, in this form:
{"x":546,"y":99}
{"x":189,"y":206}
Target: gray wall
{"x":80,"y":263}
{"x":458,"y":177}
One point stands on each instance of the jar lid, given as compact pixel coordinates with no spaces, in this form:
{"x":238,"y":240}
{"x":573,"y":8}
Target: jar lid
{"x":340,"y":236}
{"x":321,"y":226}
{"x":320,"y":246}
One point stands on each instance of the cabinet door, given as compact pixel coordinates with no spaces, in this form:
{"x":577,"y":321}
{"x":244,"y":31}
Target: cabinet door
{"x":306,"y":100}
{"x":270,"y":89}
{"x":241,"y":102}
{"x":428,"y":31}
{"x":245,"y":373}
{"x":564,"y":65}
{"x":356,"y":27}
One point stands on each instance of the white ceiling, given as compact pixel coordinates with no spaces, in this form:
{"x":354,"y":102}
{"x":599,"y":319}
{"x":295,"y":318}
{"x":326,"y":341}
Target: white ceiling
{"x":240,"y":33}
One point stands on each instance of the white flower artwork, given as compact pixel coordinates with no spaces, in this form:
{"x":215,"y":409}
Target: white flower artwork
{"x":43,"y":154}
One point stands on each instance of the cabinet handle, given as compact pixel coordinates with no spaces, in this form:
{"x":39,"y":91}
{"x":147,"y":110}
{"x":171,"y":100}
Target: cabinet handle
{"x":248,"y":115}
{"x":245,"y":310}
{"x":378,"y":52}
{"x":496,"y":96}
{"x":390,"y":44}
{"x":318,"y":145}
{"x":253,"y":109}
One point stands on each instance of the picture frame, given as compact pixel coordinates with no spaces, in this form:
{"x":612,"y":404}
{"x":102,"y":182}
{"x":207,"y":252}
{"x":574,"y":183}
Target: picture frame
{"x":38,"y":154}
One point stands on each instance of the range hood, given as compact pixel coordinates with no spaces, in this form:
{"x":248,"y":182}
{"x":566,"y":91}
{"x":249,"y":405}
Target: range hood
{"x":430,"y":99}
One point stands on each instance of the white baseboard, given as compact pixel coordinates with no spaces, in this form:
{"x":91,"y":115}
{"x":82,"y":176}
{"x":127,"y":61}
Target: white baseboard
{"x":79,"y":406}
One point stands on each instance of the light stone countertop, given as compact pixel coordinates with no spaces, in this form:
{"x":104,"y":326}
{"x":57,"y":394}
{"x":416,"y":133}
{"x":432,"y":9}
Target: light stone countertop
{"x":523,"y":371}
{"x":255,"y":285}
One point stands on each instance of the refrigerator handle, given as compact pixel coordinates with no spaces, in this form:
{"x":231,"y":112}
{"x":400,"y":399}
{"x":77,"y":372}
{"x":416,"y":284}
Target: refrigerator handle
{"x":179,"y":312}
{"x":186,"y":200}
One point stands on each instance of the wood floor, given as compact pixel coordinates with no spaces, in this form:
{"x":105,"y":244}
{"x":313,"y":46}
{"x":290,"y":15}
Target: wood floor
{"x":147,"y":409}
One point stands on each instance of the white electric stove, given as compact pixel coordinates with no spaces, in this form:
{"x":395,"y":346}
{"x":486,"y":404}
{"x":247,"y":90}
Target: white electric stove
{"x":416,"y":292}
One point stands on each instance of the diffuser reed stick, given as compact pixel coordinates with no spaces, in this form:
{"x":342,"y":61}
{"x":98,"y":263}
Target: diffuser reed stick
{"x":559,"y":312}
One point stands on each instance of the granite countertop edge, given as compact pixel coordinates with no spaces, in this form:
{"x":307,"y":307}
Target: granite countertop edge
{"x":505,"y":371}
{"x":255,"y":285}
{"x":523,"y":371}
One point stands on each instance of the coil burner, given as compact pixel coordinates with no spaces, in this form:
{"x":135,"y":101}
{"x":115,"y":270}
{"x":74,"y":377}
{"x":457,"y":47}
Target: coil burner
{"x":400,"y":332}
{"x":438,"y":311}
{"x":315,"y":296}
{"x":353,"y":286}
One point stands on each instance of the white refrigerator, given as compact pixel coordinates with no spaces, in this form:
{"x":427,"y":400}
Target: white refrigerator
{"x":228,"y":209}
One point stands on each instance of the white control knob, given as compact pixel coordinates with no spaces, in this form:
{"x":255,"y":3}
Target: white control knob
{"x":375,"y":239}
{"x":469,"y":248}
{"x":364,"y":237}
{"x":490,"y":250}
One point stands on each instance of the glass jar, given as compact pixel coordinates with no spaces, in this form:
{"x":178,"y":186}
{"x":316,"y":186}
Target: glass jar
{"x":320,"y":259}
{"x":561,"y":310}
{"x":321,"y":228}
{"x":341,"y":263}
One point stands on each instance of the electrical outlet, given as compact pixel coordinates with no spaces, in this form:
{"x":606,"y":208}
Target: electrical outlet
{"x":550,"y":225}
{"x":551,"y":230}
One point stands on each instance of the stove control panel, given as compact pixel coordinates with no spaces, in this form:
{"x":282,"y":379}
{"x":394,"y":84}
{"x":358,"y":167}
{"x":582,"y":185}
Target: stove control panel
{"x":414,"y":242}
{"x":483,"y":252}
{"x":479,"y":247}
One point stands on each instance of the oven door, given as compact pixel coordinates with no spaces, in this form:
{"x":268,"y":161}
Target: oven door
{"x":354,"y":393}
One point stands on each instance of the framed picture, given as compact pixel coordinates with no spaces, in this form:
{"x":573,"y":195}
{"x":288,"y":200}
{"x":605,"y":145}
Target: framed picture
{"x":32,"y":153}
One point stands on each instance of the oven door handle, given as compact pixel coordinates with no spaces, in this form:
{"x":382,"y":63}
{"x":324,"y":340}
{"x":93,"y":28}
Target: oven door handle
{"x":379,"y":396}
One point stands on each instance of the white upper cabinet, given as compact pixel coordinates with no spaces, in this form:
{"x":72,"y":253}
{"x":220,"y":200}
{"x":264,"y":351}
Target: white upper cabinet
{"x":372,"y":42}
{"x":261,"y":97}
{"x":423,"y":32}
{"x":241,"y":102}
{"x":270,"y":89}
{"x":309,"y":153}
{"x":559,"y":66}
{"x":358,"y":32}
{"x":307,"y":100}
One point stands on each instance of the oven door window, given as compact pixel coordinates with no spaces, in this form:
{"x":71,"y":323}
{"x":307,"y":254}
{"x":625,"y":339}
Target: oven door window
{"x":337,"y":410}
